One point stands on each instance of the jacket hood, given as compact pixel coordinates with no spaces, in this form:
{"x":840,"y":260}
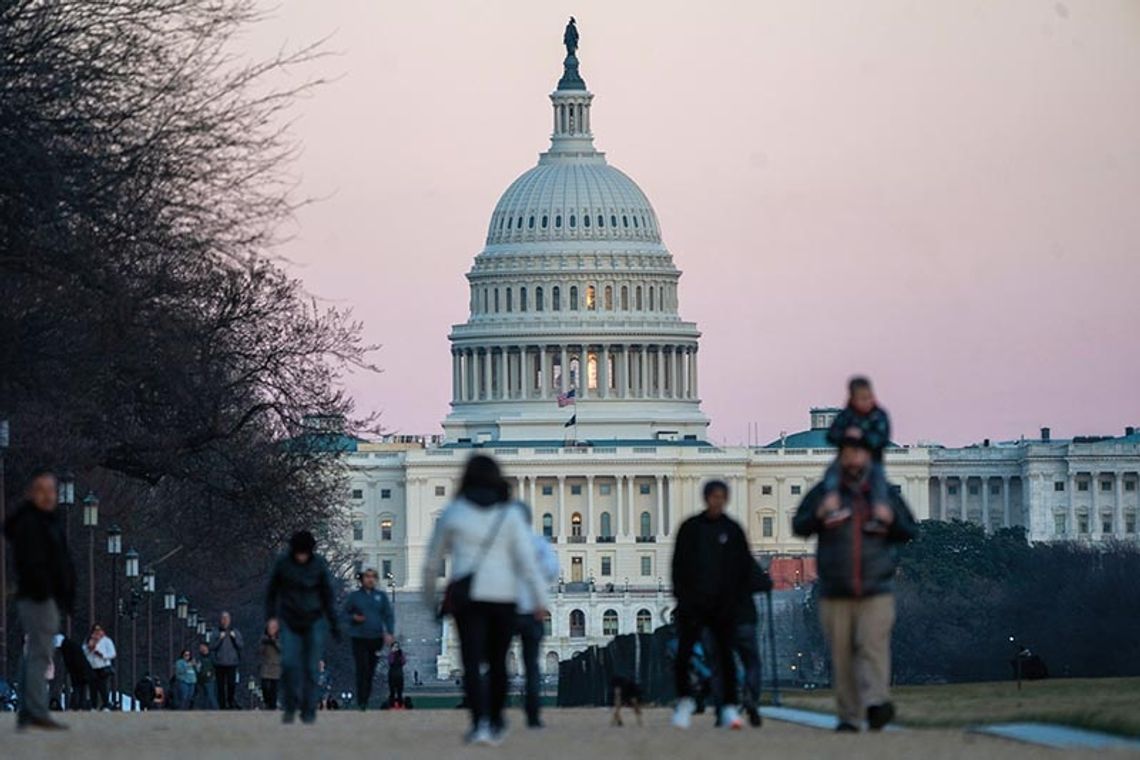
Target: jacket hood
{"x":481,"y":496}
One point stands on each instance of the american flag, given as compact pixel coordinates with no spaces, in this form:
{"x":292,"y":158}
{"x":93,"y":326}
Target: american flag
{"x":566,"y":399}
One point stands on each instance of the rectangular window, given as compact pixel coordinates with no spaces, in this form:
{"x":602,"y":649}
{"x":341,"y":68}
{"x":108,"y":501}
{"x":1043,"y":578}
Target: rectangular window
{"x":1129,"y":524}
{"x":1059,"y":523}
{"x":1106,"y":485}
{"x":1106,"y":525}
{"x":358,"y":493}
{"x":951,"y":490}
{"x":607,"y":566}
{"x":796,"y":490}
{"x":973,"y":490}
{"x":1058,"y":485}
{"x":646,"y":565}
{"x":1083,"y":485}
{"x":1083,"y":524}
{"x":609,"y":625}
{"x":357,"y":530}
{"x":644,"y":489}
{"x":386,"y":529}
{"x":385,"y":568}
{"x":385,"y":493}
{"x":441,"y":490}
{"x":767,"y":527}
{"x":576,"y":490}
{"x":605,"y":489}
{"x":548,"y":490}
{"x":1130,"y":485}
{"x":995,"y":489}
{"x":765,"y":490}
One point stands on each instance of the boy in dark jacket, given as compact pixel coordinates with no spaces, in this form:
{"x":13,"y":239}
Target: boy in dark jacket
{"x":856,"y":583}
{"x":300,"y":594}
{"x":45,"y":589}
{"x":865,"y":420}
{"x":371,"y":625}
{"x":712,"y":569}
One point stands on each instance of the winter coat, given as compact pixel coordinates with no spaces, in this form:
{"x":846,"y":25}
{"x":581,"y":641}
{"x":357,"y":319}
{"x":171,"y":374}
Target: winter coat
{"x":40,"y":556}
{"x":301,"y":594}
{"x":379,"y":618}
{"x":875,"y":427}
{"x":712,"y":566}
{"x":227,"y":648}
{"x":270,"y":659}
{"x":851,"y":562}
{"x":184,"y":671}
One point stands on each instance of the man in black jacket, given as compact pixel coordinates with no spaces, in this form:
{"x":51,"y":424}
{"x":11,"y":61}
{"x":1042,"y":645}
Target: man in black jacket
{"x":856,"y":561}
{"x":711,"y":573}
{"x":45,"y":588}
{"x":300,"y":594}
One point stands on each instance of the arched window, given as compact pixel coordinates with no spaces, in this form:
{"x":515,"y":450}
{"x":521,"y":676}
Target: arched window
{"x":601,"y":221}
{"x":625,"y":298}
{"x":637,"y":298}
{"x":502,"y":221}
{"x":386,"y":528}
{"x":575,"y":366}
{"x":585,"y":220}
{"x":530,"y":223}
{"x":624,"y":220}
{"x":510,"y":301}
{"x":547,"y":624}
{"x":520,"y":223}
{"x":607,"y":530}
{"x":545,"y":220}
{"x":608,"y":301}
{"x":510,"y":220}
{"x":652,"y":290}
{"x":558,"y":221}
{"x":576,"y":524}
{"x":548,"y":525}
{"x":486,"y":296}
{"x":496,"y":300}
{"x":573,"y":298}
{"x":591,"y":298}
{"x":522,"y":298}
{"x":573,"y":221}
{"x":538,"y":304}
{"x":610,"y":623}
{"x":644,"y":621}
{"x":635,"y":222}
{"x":646,"y":525}
{"x":613,"y":220}
{"x":556,"y":295}
{"x":552,"y":663}
{"x":577,"y":624}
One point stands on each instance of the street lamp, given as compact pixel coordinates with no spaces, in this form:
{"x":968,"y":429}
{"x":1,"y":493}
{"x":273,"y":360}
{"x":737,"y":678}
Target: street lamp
{"x":169,"y":602}
{"x":91,"y":522}
{"x":114,"y":549}
{"x":131,"y":570}
{"x":66,"y":489}
{"x":132,"y":566}
{"x":148,"y":589}
{"x":192,"y":618}
{"x":3,"y":559}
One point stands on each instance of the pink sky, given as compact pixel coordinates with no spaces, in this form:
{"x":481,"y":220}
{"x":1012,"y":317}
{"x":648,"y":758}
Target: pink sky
{"x":943,"y":195}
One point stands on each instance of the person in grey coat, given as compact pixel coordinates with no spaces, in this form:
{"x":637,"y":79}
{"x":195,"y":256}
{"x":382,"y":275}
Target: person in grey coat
{"x":227,"y":657}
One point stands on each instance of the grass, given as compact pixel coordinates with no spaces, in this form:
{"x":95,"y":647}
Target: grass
{"x":1101,"y":704}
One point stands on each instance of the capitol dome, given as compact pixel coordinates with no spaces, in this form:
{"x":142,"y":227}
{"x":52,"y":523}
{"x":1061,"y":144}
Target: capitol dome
{"x":573,"y":303}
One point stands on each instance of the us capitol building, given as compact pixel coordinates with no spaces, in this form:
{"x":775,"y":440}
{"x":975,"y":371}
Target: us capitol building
{"x":575,"y":295}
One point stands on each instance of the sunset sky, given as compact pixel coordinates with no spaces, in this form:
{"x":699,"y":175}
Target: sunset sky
{"x":943,"y":195}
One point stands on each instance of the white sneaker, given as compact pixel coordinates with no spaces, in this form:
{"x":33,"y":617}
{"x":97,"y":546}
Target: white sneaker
{"x":730,"y":718}
{"x":481,"y":735}
{"x":683,"y":712}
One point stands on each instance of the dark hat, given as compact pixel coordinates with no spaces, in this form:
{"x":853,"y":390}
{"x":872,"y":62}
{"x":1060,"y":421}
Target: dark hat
{"x":302,"y":542}
{"x":852,"y":442}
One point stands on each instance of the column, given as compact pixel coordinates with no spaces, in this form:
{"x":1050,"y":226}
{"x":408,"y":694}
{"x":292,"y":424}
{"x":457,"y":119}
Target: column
{"x":1072,"y":504}
{"x":604,"y":371}
{"x":642,"y":384}
{"x":679,"y":372}
{"x":621,"y":370}
{"x":486,"y":374}
{"x":986,"y":504}
{"x":1094,"y":510}
{"x":694,"y":371}
{"x":659,"y":527}
{"x":583,"y":371}
{"x":659,"y":380}
{"x":943,"y":496}
{"x":565,"y":384}
{"x":563,"y":518}
{"x":1006,"y":505}
{"x":454,"y":376}
{"x":618,"y":523}
{"x":545,"y":383}
{"x":589,"y":527}
{"x":631,"y":511}
{"x":963,"y":492}
{"x":504,"y":373}
{"x":1117,"y":504}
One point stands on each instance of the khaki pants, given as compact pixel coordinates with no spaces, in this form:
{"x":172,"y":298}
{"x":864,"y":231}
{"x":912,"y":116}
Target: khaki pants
{"x":858,"y":632}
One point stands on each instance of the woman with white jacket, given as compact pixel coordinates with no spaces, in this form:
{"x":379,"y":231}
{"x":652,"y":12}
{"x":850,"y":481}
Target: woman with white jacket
{"x":487,"y":537}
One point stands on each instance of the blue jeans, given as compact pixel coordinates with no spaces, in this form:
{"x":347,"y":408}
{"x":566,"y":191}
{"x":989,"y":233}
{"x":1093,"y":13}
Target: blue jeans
{"x":185,"y":697}
{"x":300,"y":660}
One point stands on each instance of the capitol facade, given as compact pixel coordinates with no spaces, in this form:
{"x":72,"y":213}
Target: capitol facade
{"x":577,"y":372}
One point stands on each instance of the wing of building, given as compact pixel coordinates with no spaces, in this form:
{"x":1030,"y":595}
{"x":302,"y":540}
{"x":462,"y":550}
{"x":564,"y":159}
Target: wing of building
{"x":576,"y":370}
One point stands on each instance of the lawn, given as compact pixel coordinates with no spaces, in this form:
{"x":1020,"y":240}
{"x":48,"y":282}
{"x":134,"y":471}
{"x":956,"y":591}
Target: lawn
{"x":1103,"y":704}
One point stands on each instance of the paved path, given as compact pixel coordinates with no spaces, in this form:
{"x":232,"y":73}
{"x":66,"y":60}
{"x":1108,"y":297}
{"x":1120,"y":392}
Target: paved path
{"x":582,"y":734}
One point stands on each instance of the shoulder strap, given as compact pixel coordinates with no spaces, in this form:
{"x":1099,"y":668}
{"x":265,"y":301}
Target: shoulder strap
{"x":490,"y":539}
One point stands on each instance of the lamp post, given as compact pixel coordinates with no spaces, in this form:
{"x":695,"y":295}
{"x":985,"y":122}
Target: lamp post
{"x":191,"y":623}
{"x":132,"y":573}
{"x":91,"y":522}
{"x":148,"y":589}
{"x":183,"y":611}
{"x":169,"y":602}
{"x":3,"y":559}
{"x":392,"y":588}
{"x":114,"y":549}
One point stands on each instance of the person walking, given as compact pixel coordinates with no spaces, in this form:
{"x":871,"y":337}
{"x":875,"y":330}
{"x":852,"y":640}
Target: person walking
{"x":396,"y":663}
{"x":300,"y":595}
{"x":78,"y":672}
{"x":45,"y":590}
{"x":185,"y":681}
{"x":856,"y":563}
{"x":101,"y":655}
{"x":712,"y":569}
{"x":270,"y":671}
{"x":531,"y":629}
{"x":371,"y":625}
{"x":489,"y":543}
{"x":226,"y":650}
{"x":206,"y":692}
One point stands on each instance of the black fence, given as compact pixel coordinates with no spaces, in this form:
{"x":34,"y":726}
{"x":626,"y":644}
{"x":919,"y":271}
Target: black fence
{"x":585,"y":679}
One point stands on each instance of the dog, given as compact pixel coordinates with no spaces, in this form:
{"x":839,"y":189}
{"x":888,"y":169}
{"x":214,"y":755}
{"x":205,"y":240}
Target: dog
{"x":627,"y":693}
